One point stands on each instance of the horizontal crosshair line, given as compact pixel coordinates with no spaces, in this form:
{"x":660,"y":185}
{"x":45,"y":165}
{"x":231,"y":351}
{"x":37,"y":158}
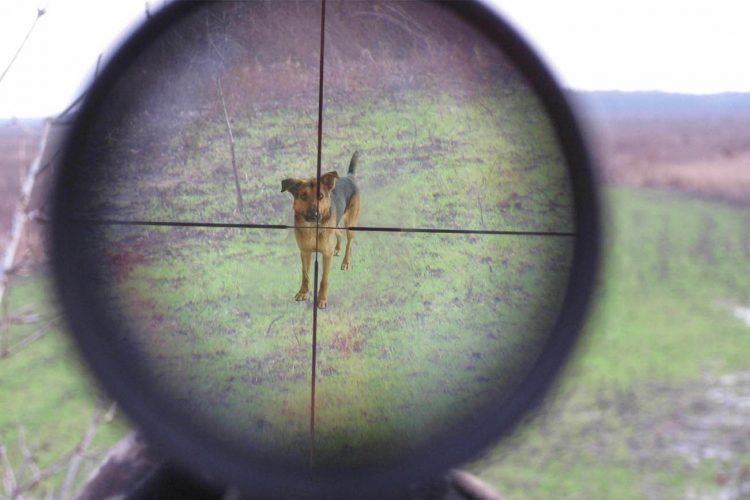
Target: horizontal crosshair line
{"x":115,"y":222}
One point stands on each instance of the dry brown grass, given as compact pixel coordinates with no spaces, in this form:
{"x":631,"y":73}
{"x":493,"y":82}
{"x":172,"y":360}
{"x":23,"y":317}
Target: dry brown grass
{"x":705,"y":155}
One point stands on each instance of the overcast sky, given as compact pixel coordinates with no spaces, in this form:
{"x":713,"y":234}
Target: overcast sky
{"x":689,"y":46}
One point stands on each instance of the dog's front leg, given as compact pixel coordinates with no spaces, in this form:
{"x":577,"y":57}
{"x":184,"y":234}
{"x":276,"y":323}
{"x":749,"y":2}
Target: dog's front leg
{"x":304,"y":290}
{"x":323,"y":292}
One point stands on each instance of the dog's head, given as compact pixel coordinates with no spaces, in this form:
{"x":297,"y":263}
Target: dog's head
{"x":309,"y":206}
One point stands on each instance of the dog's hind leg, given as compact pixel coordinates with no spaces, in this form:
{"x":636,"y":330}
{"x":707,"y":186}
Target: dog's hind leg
{"x":339,"y":237}
{"x":350,"y":220}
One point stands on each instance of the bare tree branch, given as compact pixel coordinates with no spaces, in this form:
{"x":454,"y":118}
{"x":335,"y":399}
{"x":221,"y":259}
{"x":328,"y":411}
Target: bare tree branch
{"x":83,"y":446}
{"x":57,"y":467}
{"x":75,"y":103}
{"x":72,"y":105}
{"x":25,"y":318}
{"x":11,"y":350}
{"x":219,"y":65}
{"x":15,"y":489}
{"x":28,"y":457}
{"x":9,"y":479}
{"x":39,"y":14}
{"x":238,"y":207}
{"x":20,"y":218}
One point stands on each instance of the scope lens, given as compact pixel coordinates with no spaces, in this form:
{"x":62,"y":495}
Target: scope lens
{"x":190,"y":195}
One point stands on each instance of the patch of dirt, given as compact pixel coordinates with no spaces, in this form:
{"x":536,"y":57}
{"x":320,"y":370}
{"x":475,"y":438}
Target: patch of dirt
{"x":123,"y":263}
{"x":349,"y":340}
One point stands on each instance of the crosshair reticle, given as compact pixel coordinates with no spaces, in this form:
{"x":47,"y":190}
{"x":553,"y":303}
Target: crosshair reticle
{"x":175,"y":248}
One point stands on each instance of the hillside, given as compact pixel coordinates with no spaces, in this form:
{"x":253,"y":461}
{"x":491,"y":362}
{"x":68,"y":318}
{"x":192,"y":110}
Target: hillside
{"x":657,"y":103}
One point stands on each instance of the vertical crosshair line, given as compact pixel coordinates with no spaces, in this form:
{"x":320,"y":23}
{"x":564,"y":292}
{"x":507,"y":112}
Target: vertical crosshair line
{"x":314,"y":359}
{"x":317,"y":225}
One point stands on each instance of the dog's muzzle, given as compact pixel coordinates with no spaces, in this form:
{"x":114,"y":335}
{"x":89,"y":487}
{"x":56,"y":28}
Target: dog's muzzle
{"x":311,"y":216}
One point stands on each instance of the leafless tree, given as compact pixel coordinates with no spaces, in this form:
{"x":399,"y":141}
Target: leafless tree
{"x":20,"y":218}
{"x":23,"y":482}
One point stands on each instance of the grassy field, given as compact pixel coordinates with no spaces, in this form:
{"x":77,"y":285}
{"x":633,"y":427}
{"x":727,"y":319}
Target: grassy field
{"x":214,"y":309}
{"x":674,"y":281}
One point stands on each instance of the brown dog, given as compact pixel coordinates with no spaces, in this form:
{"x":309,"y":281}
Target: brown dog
{"x":322,"y":210}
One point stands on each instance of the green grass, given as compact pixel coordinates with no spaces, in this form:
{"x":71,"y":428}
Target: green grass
{"x":413,"y":309}
{"x":675,"y":267}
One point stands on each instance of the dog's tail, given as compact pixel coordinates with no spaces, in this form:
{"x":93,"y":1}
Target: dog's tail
{"x":353,"y":164}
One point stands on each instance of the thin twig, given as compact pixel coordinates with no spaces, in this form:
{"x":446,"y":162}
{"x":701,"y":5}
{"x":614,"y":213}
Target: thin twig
{"x":219,"y":65}
{"x":57,"y":467}
{"x":72,"y":105}
{"x":25,"y":319}
{"x":83,"y":446}
{"x":28,"y":457}
{"x":71,"y":460}
{"x":10,"y":351}
{"x":110,"y":415}
{"x":39,"y":13}
{"x":49,"y":162}
{"x":268,"y":331}
{"x":9,"y":479}
{"x":238,"y":207}
{"x":75,"y":103}
{"x":4,"y":328}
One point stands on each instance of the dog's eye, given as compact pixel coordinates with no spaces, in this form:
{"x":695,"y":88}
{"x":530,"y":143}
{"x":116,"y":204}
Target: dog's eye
{"x":303,"y":197}
{"x":320,"y":196}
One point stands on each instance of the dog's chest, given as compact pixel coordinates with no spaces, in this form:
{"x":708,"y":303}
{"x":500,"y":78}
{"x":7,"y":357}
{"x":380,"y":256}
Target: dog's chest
{"x":306,"y":239}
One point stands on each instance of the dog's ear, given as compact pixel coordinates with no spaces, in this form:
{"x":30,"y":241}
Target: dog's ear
{"x":291,"y":185}
{"x":329,"y":180}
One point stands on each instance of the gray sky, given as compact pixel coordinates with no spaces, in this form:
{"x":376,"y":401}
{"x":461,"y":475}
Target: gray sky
{"x":690,"y":46}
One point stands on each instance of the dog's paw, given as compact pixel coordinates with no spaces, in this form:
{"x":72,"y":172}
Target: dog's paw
{"x":322,"y":302}
{"x":301,"y":296}
{"x":336,"y":252}
{"x":344,"y":265}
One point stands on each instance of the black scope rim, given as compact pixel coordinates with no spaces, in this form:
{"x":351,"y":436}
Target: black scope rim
{"x":196,"y":452}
